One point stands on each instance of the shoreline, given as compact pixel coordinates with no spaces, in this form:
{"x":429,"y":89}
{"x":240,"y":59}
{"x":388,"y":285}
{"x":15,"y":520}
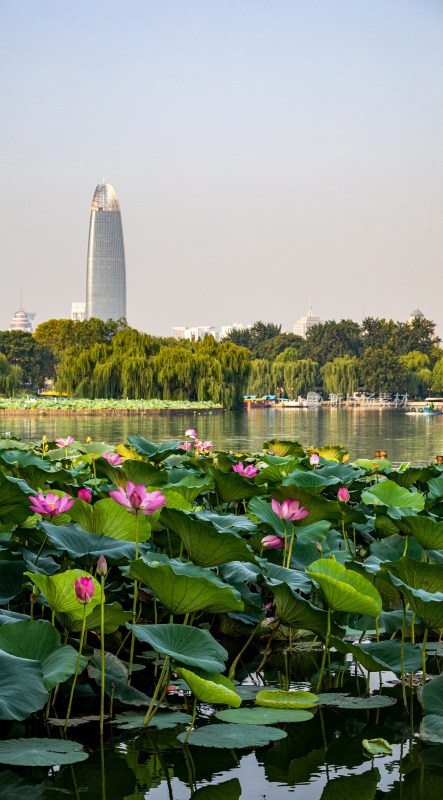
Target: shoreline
{"x":107,"y":412}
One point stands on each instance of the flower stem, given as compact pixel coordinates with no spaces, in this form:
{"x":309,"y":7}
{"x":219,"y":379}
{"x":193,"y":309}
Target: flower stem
{"x":286,"y":543}
{"x":423,"y":655}
{"x":134,"y":605}
{"x":102,"y":642}
{"x":288,"y":560}
{"x":323,"y":661}
{"x":192,"y":720}
{"x":156,"y":691}
{"x":76,"y":669}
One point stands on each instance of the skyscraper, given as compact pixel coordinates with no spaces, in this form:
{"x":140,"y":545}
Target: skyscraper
{"x":105,"y":271}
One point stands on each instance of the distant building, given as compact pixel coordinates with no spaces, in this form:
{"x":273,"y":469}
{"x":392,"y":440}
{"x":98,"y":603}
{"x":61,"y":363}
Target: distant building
{"x":22,"y":320}
{"x":302,"y":326}
{"x":78,"y":312}
{"x":225,"y":330}
{"x":416,"y":314}
{"x":194,"y":332}
{"x":106,"y":269}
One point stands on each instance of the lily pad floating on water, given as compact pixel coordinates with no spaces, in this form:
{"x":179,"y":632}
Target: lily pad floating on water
{"x":230,"y":735}
{"x":263,"y":716}
{"x":40,"y":752}
{"x":377,"y":747}
{"x":162,"y":720}
{"x":341,"y":700}
{"x":273,"y":698}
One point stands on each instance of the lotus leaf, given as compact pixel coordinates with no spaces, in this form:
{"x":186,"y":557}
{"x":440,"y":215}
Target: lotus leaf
{"x":431,"y":696}
{"x":345,"y":590}
{"x":11,"y":580}
{"x":110,"y":519}
{"x":377,"y":747}
{"x":59,"y":591}
{"x":155,"y":452}
{"x":205,"y":545}
{"x":163,"y":720}
{"x":318,"y":507}
{"x":14,"y":500}
{"x":284,"y":448}
{"x":427,"y":531}
{"x":40,"y":752}
{"x":226,"y":735}
{"x":78,"y":543}
{"x":313,"y":481}
{"x":341,"y":700}
{"x":227,"y":522}
{"x":273,"y":698}
{"x":192,"y":646}
{"x":264,"y":716}
{"x":385,"y":655}
{"x":275,"y":574}
{"x":116,"y":680}
{"x":297,"y":612}
{"x":21,"y":687}
{"x":428,"y":605}
{"x":388,"y":493}
{"x":431,"y":729}
{"x":209,"y":687}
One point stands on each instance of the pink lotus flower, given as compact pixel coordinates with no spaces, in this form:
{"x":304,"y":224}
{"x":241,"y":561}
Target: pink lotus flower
{"x":273,"y":543}
{"x":185,"y":446}
{"x":64,"y":442}
{"x":203,"y":446}
{"x":50,"y":505}
{"x":248,"y":472}
{"x":289,"y":510}
{"x":343,"y":495}
{"x":191,"y":432}
{"x":113,"y":459}
{"x":85,"y":494}
{"x":102,"y":566}
{"x":84,"y":590}
{"x":268,"y":606}
{"x":315,"y":459}
{"x":137,"y":500}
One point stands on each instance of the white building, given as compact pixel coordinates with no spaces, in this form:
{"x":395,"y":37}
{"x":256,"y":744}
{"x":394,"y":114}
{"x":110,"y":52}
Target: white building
{"x":194,"y":332}
{"x":302,"y":326}
{"x":78,"y":312}
{"x":225,"y":330}
{"x":416,"y":314}
{"x":22,"y":320}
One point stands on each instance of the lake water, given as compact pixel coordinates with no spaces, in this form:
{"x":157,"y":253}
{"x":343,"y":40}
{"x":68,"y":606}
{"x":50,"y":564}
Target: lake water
{"x":405,"y":437}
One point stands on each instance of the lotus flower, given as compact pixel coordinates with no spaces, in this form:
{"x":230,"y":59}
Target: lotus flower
{"x":203,"y":446}
{"x":248,"y":472}
{"x":343,"y":495}
{"x":289,"y":510}
{"x":85,"y":494}
{"x":191,"y":432}
{"x":50,"y":505}
{"x":64,"y":442}
{"x":314,"y":460}
{"x":84,"y":590}
{"x":113,"y":459}
{"x":137,"y":500}
{"x":268,"y":606}
{"x":273,"y":543}
{"x":185,"y":446}
{"x":102,"y":566}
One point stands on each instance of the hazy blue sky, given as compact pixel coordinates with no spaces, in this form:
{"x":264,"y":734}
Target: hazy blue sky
{"x":261,"y":151}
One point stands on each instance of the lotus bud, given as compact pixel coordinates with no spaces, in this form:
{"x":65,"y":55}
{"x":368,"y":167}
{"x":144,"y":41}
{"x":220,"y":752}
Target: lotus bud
{"x":315,"y":459}
{"x":273,"y":542}
{"x":319,"y":547}
{"x":85,"y":495}
{"x":102,"y":566}
{"x":84,"y":590}
{"x":35,"y":590}
{"x":88,"y":440}
{"x":343,"y":495}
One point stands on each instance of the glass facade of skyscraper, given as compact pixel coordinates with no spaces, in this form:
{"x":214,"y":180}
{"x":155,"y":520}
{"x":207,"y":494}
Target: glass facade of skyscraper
{"x":106,"y":271}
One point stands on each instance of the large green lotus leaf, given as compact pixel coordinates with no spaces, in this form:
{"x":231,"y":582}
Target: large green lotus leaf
{"x":297,"y":612}
{"x":192,"y":646}
{"x":116,"y":680}
{"x":427,"y":531}
{"x":209,"y":687}
{"x":435,"y":488}
{"x":109,"y":518}
{"x":155,"y":452}
{"x":284,"y":448}
{"x":229,"y":736}
{"x":313,"y":480}
{"x":11,"y":443}
{"x":313,"y":533}
{"x":205,"y":545}
{"x":345,"y":590}
{"x":11,"y":616}
{"x":191,"y":486}
{"x":262,"y":509}
{"x":431,"y":696}
{"x":331,"y":452}
{"x":227,"y":790}
{"x":275,"y":473}
{"x":238,"y":572}
{"x":184,"y":588}
{"x":140,"y":472}
{"x":114,"y":617}
{"x":11,"y":580}
{"x":41,"y":752}
{"x":59,"y":591}
{"x":227,"y":522}
{"x":406,"y":477}
{"x":163,"y":720}
{"x":275,"y":574}
{"x":230,"y":486}
{"x":389,"y":494}
{"x":341,"y":700}
{"x":273,"y":698}
{"x":346,"y":473}
{"x":378,"y":656}
{"x":79,"y":543}
{"x":14,"y":500}
{"x":174,"y":499}
{"x":352,"y":787}
{"x":21,"y":687}
{"x":264,"y":716}
{"x":428,"y":605}
{"x":416,"y":574}
{"x":40,"y":641}
{"x":318,"y":507}
{"x":391,"y":549}
{"x":431,"y":729}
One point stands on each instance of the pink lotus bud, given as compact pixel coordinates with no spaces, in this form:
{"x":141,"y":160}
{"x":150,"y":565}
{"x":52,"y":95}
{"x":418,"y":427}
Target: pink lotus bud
{"x":315,"y":459}
{"x":64,"y":442}
{"x":84,"y":590}
{"x":191,"y":432}
{"x":273,"y":543}
{"x":102,"y":566}
{"x":185,"y":446}
{"x":86,"y":495}
{"x":343,"y":495}
{"x":319,"y":547}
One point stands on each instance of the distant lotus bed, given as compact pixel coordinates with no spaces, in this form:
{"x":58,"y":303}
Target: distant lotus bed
{"x":59,"y":405}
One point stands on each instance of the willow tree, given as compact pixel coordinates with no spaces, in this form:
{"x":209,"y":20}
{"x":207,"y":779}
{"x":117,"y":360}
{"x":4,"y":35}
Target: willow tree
{"x":10,"y":376}
{"x":420,"y":375}
{"x":437,"y":376}
{"x":295,"y":377}
{"x":340,"y":376}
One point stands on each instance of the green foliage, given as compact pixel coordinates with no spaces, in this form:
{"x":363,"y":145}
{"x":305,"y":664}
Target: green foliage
{"x":330,"y":340}
{"x":382,"y":371}
{"x":341,"y":376}
{"x":10,"y":376}
{"x":35,"y":360}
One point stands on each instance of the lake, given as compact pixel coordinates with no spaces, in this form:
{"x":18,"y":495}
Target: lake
{"x":405,"y":437}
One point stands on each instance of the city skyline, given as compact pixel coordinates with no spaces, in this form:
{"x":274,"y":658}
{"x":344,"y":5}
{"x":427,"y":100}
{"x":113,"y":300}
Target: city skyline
{"x":262,"y":154}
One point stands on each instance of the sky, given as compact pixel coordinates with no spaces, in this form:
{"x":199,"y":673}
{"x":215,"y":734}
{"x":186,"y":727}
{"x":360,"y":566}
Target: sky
{"x":262,"y":153}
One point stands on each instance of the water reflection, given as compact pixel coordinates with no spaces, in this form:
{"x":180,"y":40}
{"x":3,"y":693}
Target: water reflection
{"x":405,"y":437}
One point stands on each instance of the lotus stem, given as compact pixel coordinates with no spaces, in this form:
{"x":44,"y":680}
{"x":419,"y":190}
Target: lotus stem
{"x":406,"y":546}
{"x":323,"y":661}
{"x":156,"y":691}
{"x":102,"y":642}
{"x":413,"y":642}
{"x":134,"y":605}
{"x":402,"y":658}
{"x":41,"y":548}
{"x":423,"y":655}
{"x":76,"y":669}
{"x":194,"y":709}
{"x":286,"y":544}
{"x":345,"y":537}
{"x":247,"y":643}
{"x":288,"y":560}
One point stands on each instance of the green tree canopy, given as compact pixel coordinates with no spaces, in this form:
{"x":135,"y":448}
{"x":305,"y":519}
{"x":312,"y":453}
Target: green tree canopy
{"x":341,"y":376}
{"x":329,"y":340}
{"x":35,"y":360}
{"x":382,"y":371}
{"x":10,"y":377}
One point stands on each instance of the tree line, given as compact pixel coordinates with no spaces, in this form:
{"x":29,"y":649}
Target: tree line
{"x":110,"y":359}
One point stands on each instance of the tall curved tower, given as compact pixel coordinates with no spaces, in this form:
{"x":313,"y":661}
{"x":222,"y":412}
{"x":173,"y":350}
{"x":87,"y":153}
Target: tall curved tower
{"x":106,"y":270}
